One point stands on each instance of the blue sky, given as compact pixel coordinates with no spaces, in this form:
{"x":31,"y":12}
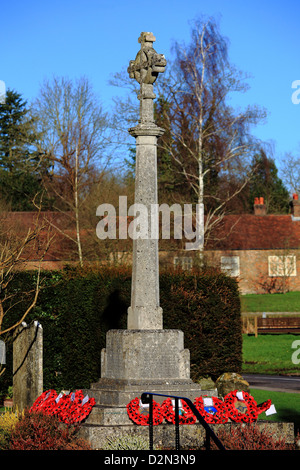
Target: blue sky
{"x":96,"y":38}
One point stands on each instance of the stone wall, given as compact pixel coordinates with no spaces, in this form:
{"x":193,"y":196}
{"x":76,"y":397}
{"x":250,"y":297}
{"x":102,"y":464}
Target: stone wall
{"x":191,"y":436}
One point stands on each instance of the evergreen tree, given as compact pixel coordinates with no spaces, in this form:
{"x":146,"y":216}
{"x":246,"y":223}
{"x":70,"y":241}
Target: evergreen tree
{"x":19,"y":161}
{"x":267,"y":184}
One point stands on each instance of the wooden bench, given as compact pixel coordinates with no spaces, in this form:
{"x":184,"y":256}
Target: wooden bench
{"x":277,"y":325}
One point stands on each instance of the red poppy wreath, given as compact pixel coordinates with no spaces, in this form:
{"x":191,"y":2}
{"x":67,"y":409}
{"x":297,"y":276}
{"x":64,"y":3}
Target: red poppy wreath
{"x":139,"y":416}
{"x":70,"y":408}
{"x":84,"y":409}
{"x":212,"y":409}
{"x":247,"y":411}
{"x":43,"y":400}
{"x":186,"y":416}
{"x":264,"y":406}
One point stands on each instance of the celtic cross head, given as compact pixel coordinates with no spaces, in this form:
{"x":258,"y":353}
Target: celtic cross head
{"x":147,"y":64}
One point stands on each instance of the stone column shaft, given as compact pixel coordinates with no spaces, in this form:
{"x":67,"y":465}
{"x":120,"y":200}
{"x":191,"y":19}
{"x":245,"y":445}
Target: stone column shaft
{"x":145,"y":312}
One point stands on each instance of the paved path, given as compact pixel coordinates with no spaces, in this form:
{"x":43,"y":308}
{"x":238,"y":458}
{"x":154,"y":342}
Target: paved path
{"x":278,"y":383}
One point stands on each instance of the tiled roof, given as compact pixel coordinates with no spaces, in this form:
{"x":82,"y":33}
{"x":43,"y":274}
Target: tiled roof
{"x":234,"y":232}
{"x":253,"y":232}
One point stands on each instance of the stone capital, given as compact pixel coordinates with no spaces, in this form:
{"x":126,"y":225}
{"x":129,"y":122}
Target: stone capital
{"x":146,"y":130}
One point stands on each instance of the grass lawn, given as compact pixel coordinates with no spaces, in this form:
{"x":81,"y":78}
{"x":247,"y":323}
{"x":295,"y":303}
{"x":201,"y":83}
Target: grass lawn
{"x":289,"y":302}
{"x":269,"y":354}
{"x":287,"y":406}
{"x":272,"y":354}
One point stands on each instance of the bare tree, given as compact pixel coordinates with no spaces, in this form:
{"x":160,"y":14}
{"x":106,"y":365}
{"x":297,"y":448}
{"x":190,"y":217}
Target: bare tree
{"x":206,"y":151}
{"x":17,"y":247}
{"x":76,"y":140}
{"x":208,"y":141}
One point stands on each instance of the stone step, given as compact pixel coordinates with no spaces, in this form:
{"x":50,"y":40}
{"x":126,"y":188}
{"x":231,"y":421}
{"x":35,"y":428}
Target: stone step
{"x":114,"y":398}
{"x":102,"y":415}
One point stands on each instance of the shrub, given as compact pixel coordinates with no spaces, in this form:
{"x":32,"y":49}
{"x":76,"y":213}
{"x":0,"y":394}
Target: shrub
{"x":250,"y":437}
{"x":37,"y":431}
{"x":8,"y":421}
{"x":206,"y":307}
{"x":127,"y":442}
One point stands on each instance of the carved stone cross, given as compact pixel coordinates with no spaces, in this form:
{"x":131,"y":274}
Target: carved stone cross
{"x":145,"y":312}
{"x":147,"y":64}
{"x":145,"y":69}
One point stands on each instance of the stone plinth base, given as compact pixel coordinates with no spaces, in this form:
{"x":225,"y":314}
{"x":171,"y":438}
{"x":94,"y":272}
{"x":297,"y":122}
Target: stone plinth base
{"x":134,"y":362}
{"x":112,"y":392}
{"x":191,"y":436}
{"x":138,"y":361}
{"x":155,"y":355}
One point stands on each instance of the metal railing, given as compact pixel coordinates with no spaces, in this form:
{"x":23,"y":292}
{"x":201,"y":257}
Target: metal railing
{"x":147,"y":397}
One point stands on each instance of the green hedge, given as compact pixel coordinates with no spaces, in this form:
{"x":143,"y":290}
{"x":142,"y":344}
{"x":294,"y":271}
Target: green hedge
{"x":76,"y":308}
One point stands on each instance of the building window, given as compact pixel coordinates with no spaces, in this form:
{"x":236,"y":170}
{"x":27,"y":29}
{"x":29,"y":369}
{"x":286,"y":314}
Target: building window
{"x":184,"y":262}
{"x":231,"y":265}
{"x":282,"y":265}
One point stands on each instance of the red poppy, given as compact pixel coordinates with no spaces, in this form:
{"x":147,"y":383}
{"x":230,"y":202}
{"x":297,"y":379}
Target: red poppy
{"x":264,"y":406}
{"x":138,"y":417}
{"x":216,"y":413}
{"x":186,"y":416}
{"x":249,"y":415}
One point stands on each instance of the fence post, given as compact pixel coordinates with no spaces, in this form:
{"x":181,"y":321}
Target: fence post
{"x":151,"y":422}
{"x":147,"y":397}
{"x":177,"y":439}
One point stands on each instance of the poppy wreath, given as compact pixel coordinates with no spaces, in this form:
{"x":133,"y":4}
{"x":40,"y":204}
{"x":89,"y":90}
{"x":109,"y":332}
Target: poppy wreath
{"x":137,"y":417}
{"x":83,"y":411}
{"x":234,"y":414}
{"x":264,"y":406}
{"x":69,"y":408}
{"x":221,"y":414}
{"x":55,"y":405}
{"x":43,"y":400}
{"x":187,"y":417}
{"x":74,"y":410}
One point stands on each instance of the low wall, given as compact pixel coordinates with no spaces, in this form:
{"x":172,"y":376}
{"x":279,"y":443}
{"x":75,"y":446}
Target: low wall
{"x":191,"y":436}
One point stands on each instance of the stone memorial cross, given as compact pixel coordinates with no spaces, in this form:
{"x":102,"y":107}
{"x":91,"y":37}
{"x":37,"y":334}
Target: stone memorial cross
{"x":145,"y":312}
{"x":145,"y":356}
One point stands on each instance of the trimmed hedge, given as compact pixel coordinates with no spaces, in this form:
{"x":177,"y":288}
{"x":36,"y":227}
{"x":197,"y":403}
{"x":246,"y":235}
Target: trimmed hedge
{"x":206,"y":307}
{"x":77,"y":307}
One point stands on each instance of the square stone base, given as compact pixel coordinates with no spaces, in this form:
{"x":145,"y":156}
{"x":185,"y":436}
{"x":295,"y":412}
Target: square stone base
{"x":155,"y":355}
{"x":138,"y":361}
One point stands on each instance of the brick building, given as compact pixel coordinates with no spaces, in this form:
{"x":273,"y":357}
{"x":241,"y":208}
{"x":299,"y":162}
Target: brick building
{"x":262,"y":250}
